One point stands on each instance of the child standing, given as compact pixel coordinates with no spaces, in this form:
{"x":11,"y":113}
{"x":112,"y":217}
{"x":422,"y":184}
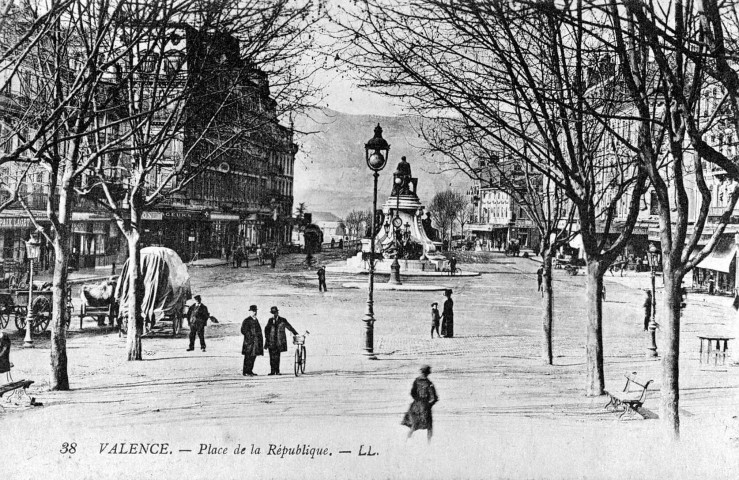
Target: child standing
{"x":435,"y":319}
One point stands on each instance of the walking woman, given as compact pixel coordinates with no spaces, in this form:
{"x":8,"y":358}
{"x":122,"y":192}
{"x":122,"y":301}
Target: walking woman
{"x":418,"y":416}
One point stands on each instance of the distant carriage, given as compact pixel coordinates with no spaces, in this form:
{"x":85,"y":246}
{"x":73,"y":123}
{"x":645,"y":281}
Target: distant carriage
{"x":313,"y":237}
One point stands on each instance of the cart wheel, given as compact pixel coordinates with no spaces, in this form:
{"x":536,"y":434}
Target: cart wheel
{"x":176,"y":325}
{"x":20,"y":318}
{"x":41,"y":311}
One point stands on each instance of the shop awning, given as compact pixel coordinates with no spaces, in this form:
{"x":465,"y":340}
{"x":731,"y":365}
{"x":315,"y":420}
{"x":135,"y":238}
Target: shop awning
{"x":720,"y":259}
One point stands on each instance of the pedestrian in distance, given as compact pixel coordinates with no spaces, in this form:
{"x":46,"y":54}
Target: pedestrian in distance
{"x":273,"y":259}
{"x":260,"y":255}
{"x":5,"y":364}
{"x":447,"y":315}
{"x":253,"y":341}
{"x":453,"y":265}
{"x":275,"y":340}
{"x":418,"y":416}
{"x":647,"y":309}
{"x":197,"y":316}
{"x":540,"y":279}
{"x":711,"y":284}
{"x":321,"y":278}
{"x":435,"y":319}
{"x":333,"y":243}
{"x":341,"y":244}
{"x":239,"y":256}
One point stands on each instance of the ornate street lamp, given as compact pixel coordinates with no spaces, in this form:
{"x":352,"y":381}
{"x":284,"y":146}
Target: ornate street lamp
{"x":33,"y":251}
{"x":654,"y":257}
{"x":376,"y":151}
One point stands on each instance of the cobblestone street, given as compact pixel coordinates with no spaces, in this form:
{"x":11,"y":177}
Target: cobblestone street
{"x":501,"y":412}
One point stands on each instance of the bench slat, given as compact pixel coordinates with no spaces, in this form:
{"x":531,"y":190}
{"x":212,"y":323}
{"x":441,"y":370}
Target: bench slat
{"x":9,"y":387}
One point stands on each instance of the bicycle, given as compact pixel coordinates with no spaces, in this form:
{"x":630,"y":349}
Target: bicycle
{"x":300,"y":353}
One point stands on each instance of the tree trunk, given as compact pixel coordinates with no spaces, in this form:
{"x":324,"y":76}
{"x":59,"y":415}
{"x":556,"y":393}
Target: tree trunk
{"x":670,"y":392}
{"x":594,"y":346}
{"x":58,"y":377}
{"x":135,"y":320}
{"x":547,"y":307}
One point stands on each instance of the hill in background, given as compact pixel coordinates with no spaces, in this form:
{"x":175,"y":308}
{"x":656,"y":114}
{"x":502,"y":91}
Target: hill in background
{"x":331,"y":174}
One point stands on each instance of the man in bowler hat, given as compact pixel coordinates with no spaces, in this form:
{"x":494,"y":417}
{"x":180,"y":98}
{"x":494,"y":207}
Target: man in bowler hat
{"x":275,"y":340}
{"x":198,"y":316}
{"x":252,"y":348}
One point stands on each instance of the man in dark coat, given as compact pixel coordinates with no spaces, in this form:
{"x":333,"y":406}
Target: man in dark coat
{"x":453,"y":265}
{"x":252,"y":348}
{"x":418,"y":416}
{"x":198,"y":316}
{"x":321,"y":278}
{"x":447,"y":315}
{"x":275,"y":340}
{"x":647,"y":309}
{"x":540,"y":279}
{"x":4,"y":352}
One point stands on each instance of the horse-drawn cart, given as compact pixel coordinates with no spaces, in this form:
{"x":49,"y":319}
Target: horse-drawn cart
{"x":166,"y":289}
{"x":14,"y":303}
{"x":99,"y":302}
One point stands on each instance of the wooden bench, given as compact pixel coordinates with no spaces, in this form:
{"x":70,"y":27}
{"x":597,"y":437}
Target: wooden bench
{"x":15,"y":387}
{"x":630,"y":399}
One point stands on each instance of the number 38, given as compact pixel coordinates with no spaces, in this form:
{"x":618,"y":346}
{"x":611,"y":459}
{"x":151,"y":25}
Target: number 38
{"x":68,"y":448}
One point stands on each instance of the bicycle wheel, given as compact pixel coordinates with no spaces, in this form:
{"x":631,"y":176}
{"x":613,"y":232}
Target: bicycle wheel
{"x":297,"y":362}
{"x":302,"y":358}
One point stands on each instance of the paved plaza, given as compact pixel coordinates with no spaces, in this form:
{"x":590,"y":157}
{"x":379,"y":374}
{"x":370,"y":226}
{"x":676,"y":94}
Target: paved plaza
{"x":501,"y":414}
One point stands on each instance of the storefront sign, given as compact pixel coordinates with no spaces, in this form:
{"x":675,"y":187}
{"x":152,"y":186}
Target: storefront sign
{"x":224,"y":217}
{"x":7,"y":223}
{"x":183,"y":215}
{"x":89,"y":217}
{"x":151,"y":216}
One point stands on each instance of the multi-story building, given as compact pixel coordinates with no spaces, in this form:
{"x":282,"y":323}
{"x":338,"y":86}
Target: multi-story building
{"x":497,"y":218}
{"x":245,"y":196}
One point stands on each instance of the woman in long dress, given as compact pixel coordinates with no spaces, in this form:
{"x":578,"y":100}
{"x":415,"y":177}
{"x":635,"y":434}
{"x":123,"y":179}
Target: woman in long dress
{"x":418,"y":416}
{"x":447,"y":316}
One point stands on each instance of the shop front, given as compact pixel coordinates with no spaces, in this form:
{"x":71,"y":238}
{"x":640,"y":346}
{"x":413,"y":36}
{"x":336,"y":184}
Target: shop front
{"x":187,"y":232}
{"x":224,"y":233}
{"x":96,"y":241}
{"x":719,"y":268}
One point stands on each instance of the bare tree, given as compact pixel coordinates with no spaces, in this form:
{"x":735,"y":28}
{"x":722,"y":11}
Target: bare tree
{"x":667,"y":56}
{"x":357,"y":221}
{"x":498,"y":167}
{"x":181,"y":111}
{"x":514,"y":71}
{"x":444,"y":209}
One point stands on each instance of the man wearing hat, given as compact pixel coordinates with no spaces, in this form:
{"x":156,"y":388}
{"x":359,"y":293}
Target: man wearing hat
{"x":447,"y":321}
{"x":252,"y":332}
{"x":197,"y":316}
{"x":275,"y":340}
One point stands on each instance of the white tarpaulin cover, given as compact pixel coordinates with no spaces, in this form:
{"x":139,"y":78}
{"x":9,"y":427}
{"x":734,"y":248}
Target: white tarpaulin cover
{"x":166,"y":284}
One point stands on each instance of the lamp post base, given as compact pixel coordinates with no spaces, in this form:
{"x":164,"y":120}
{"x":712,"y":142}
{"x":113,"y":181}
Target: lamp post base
{"x":651,"y":343}
{"x":369,"y":336}
{"x":395,"y":273}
